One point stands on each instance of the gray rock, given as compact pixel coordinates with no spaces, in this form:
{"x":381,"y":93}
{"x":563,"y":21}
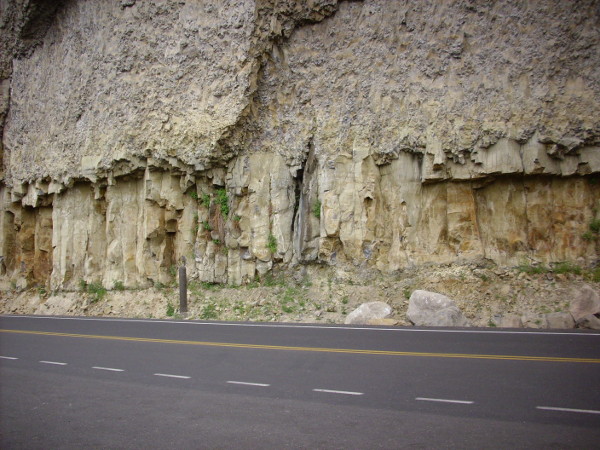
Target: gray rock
{"x":532,"y":320}
{"x":434,"y":310}
{"x":590,"y":321}
{"x":367,"y":312}
{"x":560,"y":320}
{"x":511,"y":321}
{"x":585,"y":301}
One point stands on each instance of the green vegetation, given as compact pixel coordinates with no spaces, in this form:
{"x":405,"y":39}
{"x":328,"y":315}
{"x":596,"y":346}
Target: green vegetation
{"x":567,"y":267}
{"x":206,"y":226}
{"x":118,"y":286}
{"x":209,"y":311}
{"x":205,"y":200}
{"x":530,"y":269}
{"x":223,"y":201}
{"x":194,"y":195}
{"x":97,"y":291}
{"x":594,"y":231}
{"x":272,"y":244}
{"x":170,"y":309}
{"x":316,"y":209}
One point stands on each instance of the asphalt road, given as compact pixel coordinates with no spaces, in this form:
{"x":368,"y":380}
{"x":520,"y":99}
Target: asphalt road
{"x":116,"y":383}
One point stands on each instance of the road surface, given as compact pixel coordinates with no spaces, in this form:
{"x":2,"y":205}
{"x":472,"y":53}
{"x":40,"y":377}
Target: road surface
{"x":120,"y":383}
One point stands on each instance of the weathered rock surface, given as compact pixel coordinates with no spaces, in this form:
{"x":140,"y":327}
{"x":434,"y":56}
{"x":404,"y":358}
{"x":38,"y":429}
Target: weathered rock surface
{"x":585,"y":301}
{"x":368,"y":312}
{"x":510,"y":321}
{"x":590,"y":321}
{"x":261,"y":134}
{"x":434,"y":310}
{"x":560,"y":320}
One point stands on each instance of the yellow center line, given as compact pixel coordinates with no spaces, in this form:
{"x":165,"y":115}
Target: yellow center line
{"x":311,"y":349}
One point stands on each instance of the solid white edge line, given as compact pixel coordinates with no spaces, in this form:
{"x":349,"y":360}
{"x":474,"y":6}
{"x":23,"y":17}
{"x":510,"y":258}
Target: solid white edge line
{"x":8,"y":357}
{"x":554,"y":408}
{"x":183,"y":377}
{"x":249,"y":384}
{"x":331,"y":391}
{"x":223,"y":324}
{"x":443,"y":400}
{"x":54,"y":362}
{"x":110,"y":369}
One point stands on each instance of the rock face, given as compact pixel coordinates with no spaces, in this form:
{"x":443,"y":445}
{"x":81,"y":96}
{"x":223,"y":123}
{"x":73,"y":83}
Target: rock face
{"x":264,"y":133}
{"x":434,"y":310}
{"x":369,"y":313}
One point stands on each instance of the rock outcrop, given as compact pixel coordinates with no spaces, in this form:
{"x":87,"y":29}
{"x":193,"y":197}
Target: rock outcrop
{"x":255,"y":134}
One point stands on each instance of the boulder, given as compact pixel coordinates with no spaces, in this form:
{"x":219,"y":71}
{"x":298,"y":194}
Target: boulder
{"x":560,"y":320}
{"x":584,"y":301}
{"x":511,"y":321}
{"x":590,"y":321}
{"x":533,"y":320}
{"x":434,"y":310}
{"x":384,"y":322}
{"x":369,"y":311}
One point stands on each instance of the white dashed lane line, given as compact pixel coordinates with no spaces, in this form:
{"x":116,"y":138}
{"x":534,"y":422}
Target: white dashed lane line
{"x":331,"y":391}
{"x":110,"y":369}
{"x":246,"y":383}
{"x":183,"y":377}
{"x":444,"y":400}
{"x":8,"y":357}
{"x":56,"y":363}
{"x":554,"y":408}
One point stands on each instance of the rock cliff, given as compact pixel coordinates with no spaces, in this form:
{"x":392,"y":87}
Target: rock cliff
{"x":248,"y":135}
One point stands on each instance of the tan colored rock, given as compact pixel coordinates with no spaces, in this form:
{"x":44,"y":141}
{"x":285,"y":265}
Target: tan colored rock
{"x":560,"y":320}
{"x":383,"y":322}
{"x":584,"y":301}
{"x":511,"y":321}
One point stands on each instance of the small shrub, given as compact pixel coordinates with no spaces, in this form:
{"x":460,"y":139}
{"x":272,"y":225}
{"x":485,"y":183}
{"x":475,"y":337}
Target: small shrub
{"x":316,"y":209}
{"x":173,"y":271}
{"x":596,"y":275}
{"x":97,"y":290}
{"x":83,"y":285}
{"x":170,"y":309}
{"x":194,"y":195}
{"x":345,"y":300}
{"x":223,"y":202}
{"x":119,"y":286}
{"x":216,"y":241}
{"x":237,"y":218}
{"x":595,"y":226}
{"x":206,"y":226}
{"x":588,"y":236}
{"x":209,"y":311}
{"x":206,"y":200}
{"x":529,"y":269}
{"x":159,"y":285}
{"x":567,"y":267}
{"x":272,"y":244}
